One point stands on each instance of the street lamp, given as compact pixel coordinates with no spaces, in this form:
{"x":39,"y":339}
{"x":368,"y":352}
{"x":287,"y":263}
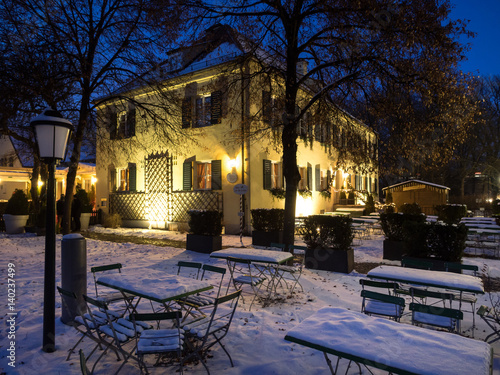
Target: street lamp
{"x":52,"y":133}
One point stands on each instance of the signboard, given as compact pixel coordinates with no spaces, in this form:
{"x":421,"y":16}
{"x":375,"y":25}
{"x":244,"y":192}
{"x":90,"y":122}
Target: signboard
{"x":240,"y":189}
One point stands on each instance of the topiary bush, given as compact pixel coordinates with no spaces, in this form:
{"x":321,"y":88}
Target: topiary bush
{"x":268,"y":220}
{"x":447,"y":241}
{"x":83,"y":197}
{"x":392,"y":224}
{"x":410,"y":209}
{"x":18,"y":203}
{"x":451,"y":213}
{"x":328,"y":232}
{"x":205,"y":222}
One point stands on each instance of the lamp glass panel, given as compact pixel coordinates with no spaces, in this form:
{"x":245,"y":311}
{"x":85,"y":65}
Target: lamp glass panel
{"x":52,"y":140}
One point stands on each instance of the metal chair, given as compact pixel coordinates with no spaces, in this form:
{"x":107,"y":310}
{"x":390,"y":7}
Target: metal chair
{"x":203,"y":334}
{"x":161,"y":342}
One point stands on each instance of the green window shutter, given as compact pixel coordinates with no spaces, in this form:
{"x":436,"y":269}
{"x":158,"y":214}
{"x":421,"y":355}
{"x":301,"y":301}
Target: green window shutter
{"x":130,"y":131}
{"x":113,"y":125}
{"x":267,"y":174}
{"x":112,"y":178}
{"x":216,"y":175}
{"x":317,"y":177}
{"x":216,"y":109}
{"x":186,"y":112}
{"x":132,"y":176}
{"x":328,"y":178}
{"x":309,"y":176}
{"x":187,"y":176}
{"x":266,"y":107}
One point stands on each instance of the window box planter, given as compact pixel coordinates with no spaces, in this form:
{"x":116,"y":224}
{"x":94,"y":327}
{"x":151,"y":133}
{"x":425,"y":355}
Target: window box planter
{"x":330,"y":260}
{"x":394,"y":250}
{"x":264,"y":238}
{"x":203,"y":244}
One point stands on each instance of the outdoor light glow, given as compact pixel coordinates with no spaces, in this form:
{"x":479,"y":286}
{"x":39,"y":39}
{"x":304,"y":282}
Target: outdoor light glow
{"x":40,"y":183}
{"x":303,"y":207}
{"x":93,"y":180}
{"x":232,"y":163}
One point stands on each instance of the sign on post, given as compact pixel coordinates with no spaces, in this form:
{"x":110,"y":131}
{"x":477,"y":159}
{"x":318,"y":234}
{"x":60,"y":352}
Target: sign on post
{"x":240,"y":189}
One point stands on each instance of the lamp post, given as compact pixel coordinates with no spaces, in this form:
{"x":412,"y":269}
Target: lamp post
{"x":52,"y":133}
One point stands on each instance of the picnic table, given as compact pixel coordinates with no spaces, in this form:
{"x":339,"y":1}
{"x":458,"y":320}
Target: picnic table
{"x":391,"y":346}
{"x":159,"y":287}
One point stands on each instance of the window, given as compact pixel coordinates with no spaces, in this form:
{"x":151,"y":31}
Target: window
{"x":122,"y":124}
{"x":305,"y":177}
{"x":123,"y":179}
{"x":270,"y":109}
{"x":127,"y":178}
{"x":273,"y":175}
{"x":202,"y":175}
{"x":201,"y":111}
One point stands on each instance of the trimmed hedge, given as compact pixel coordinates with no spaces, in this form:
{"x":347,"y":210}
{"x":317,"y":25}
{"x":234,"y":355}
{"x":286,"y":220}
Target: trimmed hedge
{"x":18,"y":203}
{"x":392,"y":224}
{"x":328,"y":232}
{"x":268,"y":220}
{"x":451,"y":213}
{"x":205,"y":223}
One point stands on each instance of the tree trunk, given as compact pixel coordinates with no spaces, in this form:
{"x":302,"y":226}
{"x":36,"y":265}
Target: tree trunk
{"x":73,"y":166}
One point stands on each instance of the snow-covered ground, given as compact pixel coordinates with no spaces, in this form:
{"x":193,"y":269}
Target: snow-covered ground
{"x":255,"y":341}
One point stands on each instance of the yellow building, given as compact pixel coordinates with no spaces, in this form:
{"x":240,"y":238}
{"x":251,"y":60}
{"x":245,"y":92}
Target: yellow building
{"x":221,"y":134}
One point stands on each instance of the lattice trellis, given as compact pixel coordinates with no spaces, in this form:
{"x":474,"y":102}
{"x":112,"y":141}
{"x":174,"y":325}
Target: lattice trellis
{"x":158,"y":183}
{"x":130,"y":206}
{"x":183,"y":201}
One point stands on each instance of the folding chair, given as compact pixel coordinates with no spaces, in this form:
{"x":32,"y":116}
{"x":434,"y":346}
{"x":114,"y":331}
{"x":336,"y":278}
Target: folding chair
{"x":203,"y":334}
{"x":203,"y":300}
{"x":161,"y":341}
{"x":441,"y":317}
{"x":113,"y":334}
{"x":83,"y":323}
{"x":189,"y":268}
{"x":294,"y":271}
{"x":83,"y":364}
{"x":109,"y":296}
{"x":491,"y":318}
{"x":242,"y":274}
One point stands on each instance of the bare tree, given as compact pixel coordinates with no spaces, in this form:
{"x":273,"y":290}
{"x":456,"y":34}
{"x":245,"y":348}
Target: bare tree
{"x":105,"y":43}
{"x":351,"y":48}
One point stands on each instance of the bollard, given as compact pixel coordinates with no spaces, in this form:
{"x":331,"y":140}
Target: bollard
{"x":73,"y":274}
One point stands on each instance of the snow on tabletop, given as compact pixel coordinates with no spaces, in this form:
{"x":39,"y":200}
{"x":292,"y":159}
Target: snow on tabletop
{"x":448,"y":280}
{"x":155,"y":284}
{"x":259,"y":255}
{"x":398,"y":345}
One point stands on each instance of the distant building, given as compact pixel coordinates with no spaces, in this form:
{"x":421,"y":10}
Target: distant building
{"x":426,"y":194}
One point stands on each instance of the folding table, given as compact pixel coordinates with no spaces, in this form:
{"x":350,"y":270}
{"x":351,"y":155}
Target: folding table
{"x":394,"y":347}
{"x":265,"y":260}
{"x":154,"y":286}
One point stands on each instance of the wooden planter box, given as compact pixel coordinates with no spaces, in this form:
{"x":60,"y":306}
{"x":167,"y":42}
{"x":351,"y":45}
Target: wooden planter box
{"x":330,"y":260}
{"x":394,"y":250}
{"x":203,"y":244}
{"x":261,"y":238}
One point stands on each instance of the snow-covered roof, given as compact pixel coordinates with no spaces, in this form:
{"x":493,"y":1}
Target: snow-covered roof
{"x":417,"y":182}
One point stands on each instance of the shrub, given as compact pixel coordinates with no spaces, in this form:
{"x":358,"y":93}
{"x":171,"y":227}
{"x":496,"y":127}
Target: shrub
{"x":18,"y":203}
{"x":439,"y":241}
{"x":392,"y":224}
{"x":205,"y":222}
{"x":447,"y":242}
{"x":370,"y":205}
{"x":328,"y":232}
{"x":388,"y":198}
{"x":451,"y":213}
{"x":111,"y":221}
{"x":342,"y":195}
{"x":268,"y":220}
{"x":410,"y":209}
{"x":84,"y":199}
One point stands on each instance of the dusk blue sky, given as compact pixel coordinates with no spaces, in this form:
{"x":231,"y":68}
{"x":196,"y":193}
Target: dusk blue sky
{"x":484,"y":16}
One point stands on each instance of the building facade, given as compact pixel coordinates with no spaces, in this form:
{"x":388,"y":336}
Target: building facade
{"x":222,"y":133}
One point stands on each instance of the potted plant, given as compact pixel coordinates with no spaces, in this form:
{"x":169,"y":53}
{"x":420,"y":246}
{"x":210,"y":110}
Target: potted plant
{"x":16,"y":212}
{"x":329,"y":243}
{"x":267,"y":226}
{"x":205,"y":228}
{"x":86,"y":208}
{"x":394,"y":246}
